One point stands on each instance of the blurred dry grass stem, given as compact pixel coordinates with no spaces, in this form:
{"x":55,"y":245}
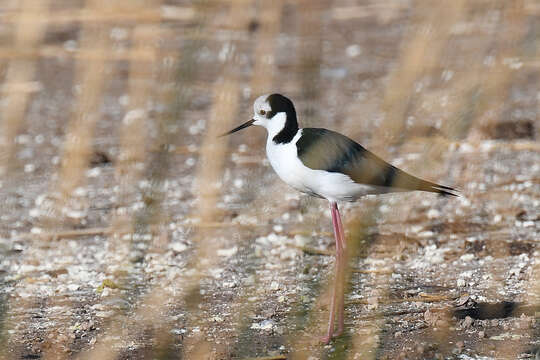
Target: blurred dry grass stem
{"x":133,"y":131}
{"x":91,"y":76}
{"x":111,"y":13}
{"x":226,"y":95}
{"x":20,"y":74}
{"x":421,"y":52}
{"x":79,"y":137}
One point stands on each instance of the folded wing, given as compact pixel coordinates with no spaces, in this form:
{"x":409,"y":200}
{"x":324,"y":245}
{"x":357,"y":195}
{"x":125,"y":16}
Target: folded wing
{"x":322,"y":149}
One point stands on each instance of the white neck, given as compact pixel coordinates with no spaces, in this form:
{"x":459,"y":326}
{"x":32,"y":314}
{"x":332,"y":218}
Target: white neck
{"x":276,"y":124}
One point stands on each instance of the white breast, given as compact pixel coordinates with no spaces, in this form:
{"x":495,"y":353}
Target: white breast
{"x":329,"y":185}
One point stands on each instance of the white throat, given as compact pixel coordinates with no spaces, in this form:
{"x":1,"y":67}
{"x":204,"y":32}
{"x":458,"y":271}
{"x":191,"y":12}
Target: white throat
{"x":276,"y":124}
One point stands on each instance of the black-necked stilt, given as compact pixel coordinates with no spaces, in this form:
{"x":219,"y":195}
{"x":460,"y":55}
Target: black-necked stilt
{"x":328,"y":165}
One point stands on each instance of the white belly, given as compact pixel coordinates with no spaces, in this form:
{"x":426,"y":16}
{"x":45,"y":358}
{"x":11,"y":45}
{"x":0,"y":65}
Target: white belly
{"x":329,"y":185}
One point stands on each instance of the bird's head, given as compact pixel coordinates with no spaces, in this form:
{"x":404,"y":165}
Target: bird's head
{"x":276,"y":114}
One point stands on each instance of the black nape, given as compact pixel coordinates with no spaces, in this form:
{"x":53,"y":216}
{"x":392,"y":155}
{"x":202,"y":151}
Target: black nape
{"x":279,"y":103}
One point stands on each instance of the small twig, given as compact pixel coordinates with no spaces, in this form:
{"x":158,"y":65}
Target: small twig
{"x":313,"y":251}
{"x":310,"y":233}
{"x":392,"y":313}
{"x":356,"y":302}
{"x":79,"y":232}
{"x":210,"y":224}
{"x":75,"y":233}
{"x":373,"y":271}
{"x":183,"y":150}
{"x":424,"y":298}
{"x":434,"y":297}
{"x":421,"y":298}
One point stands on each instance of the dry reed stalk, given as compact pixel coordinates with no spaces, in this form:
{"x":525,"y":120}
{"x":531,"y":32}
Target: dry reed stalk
{"x":19,"y":76}
{"x":311,"y":22}
{"x":383,"y":11}
{"x":302,"y":347}
{"x":264,"y":55}
{"x":356,"y":243}
{"x":491,"y":84}
{"x":59,"y":52}
{"x":90,"y":75}
{"x":261,"y":82}
{"x":310,"y":57}
{"x":306,"y":345}
{"x":226,"y":95}
{"x":223,"y":111}
{"x":489,"y":88}
{"x":496,"y":84}
{"x":149,"y":314}
{"x":111,"y":14}
{"x":133,"y":132}
{"x":481,"y":91}
{"x":365,"y":336}
{"x":421,"y":52}
{"x":131,"y":163}
{"x":498,"y":89}
{"x":212,"y":159}
{"x":269,"y":16}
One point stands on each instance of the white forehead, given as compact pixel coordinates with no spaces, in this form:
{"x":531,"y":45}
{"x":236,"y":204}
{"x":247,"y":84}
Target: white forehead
{"x":261,"y":104}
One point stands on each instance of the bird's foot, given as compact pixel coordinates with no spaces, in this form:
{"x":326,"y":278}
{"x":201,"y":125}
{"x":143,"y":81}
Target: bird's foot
{"x":326,"y":339}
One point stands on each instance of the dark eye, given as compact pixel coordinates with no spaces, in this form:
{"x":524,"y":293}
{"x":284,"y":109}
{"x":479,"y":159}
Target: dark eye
{"x":262,"y":112}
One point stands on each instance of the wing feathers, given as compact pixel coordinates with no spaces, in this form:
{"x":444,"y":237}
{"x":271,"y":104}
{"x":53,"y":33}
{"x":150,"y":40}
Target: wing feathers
{"x":322,"y":149}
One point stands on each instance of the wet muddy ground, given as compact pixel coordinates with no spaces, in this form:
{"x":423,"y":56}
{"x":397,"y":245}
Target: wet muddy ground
{"x":432,"y":278}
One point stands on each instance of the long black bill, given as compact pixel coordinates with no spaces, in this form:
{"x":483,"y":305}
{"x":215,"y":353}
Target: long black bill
{"x":244,"y":125}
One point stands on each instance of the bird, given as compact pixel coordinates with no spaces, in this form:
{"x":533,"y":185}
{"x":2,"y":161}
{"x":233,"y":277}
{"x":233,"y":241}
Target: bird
{"x":328,"y":165}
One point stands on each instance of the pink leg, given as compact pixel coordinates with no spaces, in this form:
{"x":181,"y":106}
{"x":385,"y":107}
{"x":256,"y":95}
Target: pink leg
{"x":341,"y":278}
{"x":338,"y":289}
{"x":341,"y":232}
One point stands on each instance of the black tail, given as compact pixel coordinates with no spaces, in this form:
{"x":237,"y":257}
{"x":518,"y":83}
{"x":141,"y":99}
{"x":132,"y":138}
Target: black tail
{"x":443,"y":190}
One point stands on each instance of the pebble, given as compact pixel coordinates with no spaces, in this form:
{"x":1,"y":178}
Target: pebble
{"x":300,"y":240}
{"x":28,"y":168}
{"x":353,"y":51}
{"x":467,"y":322}
{"x":274,"y":285}
{"x":525,"y":322}
{"x":238,"y":183}
{"x":178,"y":247}
{"x":433,"y":213}
{"x":467,"y":257}
{"x":263,"y":325}
{"x":227,"y":253}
